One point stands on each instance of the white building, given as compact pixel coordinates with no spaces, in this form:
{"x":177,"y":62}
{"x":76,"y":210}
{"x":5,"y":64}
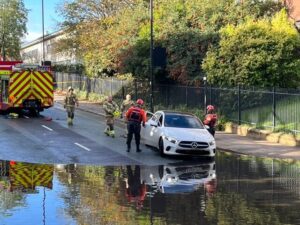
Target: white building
{"x":32,"y":52}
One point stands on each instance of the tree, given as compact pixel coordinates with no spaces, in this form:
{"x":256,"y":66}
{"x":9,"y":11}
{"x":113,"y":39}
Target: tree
{"x":87,"y":26}
{"x":117,"y":37}
{"x":256,"y":53}
{"x":13,"y":18}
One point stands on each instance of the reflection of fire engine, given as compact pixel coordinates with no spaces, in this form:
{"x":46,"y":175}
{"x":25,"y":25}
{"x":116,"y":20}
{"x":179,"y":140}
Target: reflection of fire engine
{"x":25,"y":87}
{"x":26,"y":176}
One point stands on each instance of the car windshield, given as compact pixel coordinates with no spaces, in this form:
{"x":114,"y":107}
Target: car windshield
{"x":182,"y":121}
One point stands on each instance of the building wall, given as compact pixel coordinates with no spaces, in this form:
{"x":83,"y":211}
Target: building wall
{"x":32,"y":52}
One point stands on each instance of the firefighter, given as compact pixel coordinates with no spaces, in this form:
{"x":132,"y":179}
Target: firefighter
{"x":111,"y":110}
{"x":70,"y":102}
{"x":135,"y":116}
{"x":135,"y":187}
{"x":210,"y":119}
{"x":126,"y":104}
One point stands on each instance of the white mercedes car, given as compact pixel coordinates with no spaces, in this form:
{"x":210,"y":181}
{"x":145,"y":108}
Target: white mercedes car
{"x":181,"y":177}
{"x":175,"y":133}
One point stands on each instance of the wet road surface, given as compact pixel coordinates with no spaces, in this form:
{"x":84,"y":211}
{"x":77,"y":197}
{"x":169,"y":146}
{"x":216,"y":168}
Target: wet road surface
{"x":54,"y":174}
{"x":231,"y":189}
{"x":45,"y":140}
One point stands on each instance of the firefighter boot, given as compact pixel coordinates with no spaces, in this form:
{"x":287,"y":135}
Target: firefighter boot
{"x":138,"y":148}
{"x":128,"y":148}
{"x":106,"y":131}
{"x":69,"y":121}
{"x":112,"y":133}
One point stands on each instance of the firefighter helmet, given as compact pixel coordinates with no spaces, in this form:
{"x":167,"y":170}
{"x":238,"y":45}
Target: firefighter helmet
{"x":210,"y":107}
{"x":140,"y":102}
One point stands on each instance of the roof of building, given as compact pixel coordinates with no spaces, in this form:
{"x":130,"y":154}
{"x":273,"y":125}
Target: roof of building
{"x":40,"y":39}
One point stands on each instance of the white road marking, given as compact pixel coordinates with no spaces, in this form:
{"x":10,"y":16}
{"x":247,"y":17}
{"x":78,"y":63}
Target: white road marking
{"x":48,"y":128}
{"x":81,"y":146}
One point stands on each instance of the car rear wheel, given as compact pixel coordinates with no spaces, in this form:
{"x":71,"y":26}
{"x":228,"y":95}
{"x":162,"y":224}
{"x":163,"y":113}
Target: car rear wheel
{"x":161,"y":147}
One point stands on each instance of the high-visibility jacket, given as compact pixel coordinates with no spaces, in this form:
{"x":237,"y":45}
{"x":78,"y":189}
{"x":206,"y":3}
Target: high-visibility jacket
{"x":71,"y":100}
{"x":110,"y":108}
{"x":136,"y":114}
{"x":126,"y":104}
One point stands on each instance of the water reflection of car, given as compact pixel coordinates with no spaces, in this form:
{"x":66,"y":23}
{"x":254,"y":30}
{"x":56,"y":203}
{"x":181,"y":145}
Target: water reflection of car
{"x":175,"y":133}
{"x":182,"y":177}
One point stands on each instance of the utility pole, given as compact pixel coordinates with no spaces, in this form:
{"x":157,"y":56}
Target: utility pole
{"x":43,"y":32}
{"x":151,"y":57}
{"x":3,"y":54}
{"x":3,"y":48}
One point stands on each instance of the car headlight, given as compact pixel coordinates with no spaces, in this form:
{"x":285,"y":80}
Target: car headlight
{"x":171,"y":179}
{"x":172,"y":140}
{"x":212,"y":143}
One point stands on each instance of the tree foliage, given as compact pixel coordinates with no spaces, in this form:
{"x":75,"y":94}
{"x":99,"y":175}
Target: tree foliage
{"x":115,"y":36}
{"x":13,"y":18}
{"x":261,"y":52}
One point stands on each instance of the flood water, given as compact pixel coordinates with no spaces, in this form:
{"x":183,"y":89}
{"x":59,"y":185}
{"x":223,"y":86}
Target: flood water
{"x":228,"y":190}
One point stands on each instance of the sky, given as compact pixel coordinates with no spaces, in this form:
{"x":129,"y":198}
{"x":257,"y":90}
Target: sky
{"x":34,"y":24}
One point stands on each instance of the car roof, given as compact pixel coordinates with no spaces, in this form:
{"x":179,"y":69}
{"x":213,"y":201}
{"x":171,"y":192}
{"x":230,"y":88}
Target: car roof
{"x":168,"y":112}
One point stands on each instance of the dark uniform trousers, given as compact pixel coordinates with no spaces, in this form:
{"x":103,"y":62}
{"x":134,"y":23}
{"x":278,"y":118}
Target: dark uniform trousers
{"x":211,"y":130}
{"x":134,"y":127}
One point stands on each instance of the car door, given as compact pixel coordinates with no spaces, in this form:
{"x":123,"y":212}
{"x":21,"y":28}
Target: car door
{"x":149,"y":132}
{"x":145,"y":131}
{"x":156,"y":129}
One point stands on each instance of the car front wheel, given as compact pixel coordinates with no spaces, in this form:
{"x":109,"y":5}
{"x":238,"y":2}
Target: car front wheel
{"x":161,"y":147}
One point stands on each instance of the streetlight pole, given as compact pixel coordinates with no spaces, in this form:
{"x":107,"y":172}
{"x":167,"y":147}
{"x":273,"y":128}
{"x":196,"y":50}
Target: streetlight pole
{"x":151,"y":57}
{"x":43,"y":32}
{"x":3,"y":34}
{"x":205,"y":93}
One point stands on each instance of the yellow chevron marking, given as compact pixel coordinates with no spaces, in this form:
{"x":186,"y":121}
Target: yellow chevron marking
{"x":49,"y":76}
{"x":20,"y":85}
{"x":21,"y":178}
{"x":20,"y":101}
{"x":43,"y":177}
{"x":40,"y":75}
{"x":40,"y":92}
{"x":16,"y":82}
{"x":32,"y":175}
{"x":38,"y":95}
{"x":45,"y":89}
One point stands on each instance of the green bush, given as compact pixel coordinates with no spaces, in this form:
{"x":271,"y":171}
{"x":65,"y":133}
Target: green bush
{"x":222,"y":121}
{"x":81,"y":95}
{"x":94,"y":97}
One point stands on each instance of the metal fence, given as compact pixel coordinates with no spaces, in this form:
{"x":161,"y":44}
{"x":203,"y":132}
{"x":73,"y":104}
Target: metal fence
{"x":271,"y":108}
{"x":108,"y":86}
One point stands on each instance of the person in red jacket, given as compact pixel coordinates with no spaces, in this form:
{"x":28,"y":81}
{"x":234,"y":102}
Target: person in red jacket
{"x":210,"y":119}
{"x":135,"y":116}
{"x":135,"y":187}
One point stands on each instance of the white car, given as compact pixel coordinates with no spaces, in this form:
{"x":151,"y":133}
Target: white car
{"x":175,"y":133}
{"x":181,"y":177}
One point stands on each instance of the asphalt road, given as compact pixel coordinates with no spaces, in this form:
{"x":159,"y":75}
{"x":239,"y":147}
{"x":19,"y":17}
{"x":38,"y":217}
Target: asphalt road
{"x":40,"y":140}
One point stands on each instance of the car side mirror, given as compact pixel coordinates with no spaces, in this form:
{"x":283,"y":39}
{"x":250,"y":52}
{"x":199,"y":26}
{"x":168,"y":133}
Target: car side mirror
{"x":206,"y":127}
